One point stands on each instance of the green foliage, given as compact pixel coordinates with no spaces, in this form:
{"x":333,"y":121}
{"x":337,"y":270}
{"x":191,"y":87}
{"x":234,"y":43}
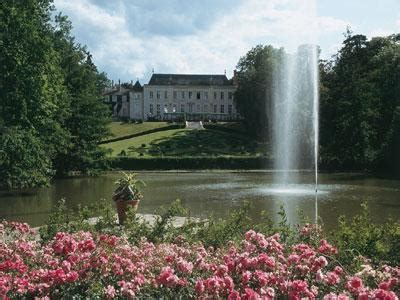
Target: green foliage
{"x":361,"y":237}
{"x":23,"y":161}
{"x":253,"y":96}
{"x":184,"y":142}
{"x":128,"y":188}
{"x":360,"y":100}
{"x":357,"y":239}
{"x":50,"y":92}
{"x":189,"y":163}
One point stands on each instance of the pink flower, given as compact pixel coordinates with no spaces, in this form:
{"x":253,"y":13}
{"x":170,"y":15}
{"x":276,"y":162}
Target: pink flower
{"x":228,"y":282}
{"x":199,"y":287}
{"x":167,"y":277}
{"x":184,"y":266}
{"x":109,"y":291}
{"x":266,"y":260}
{"x":250,"y":294}
{"x":354,"y":284}
{"x":249,"y":235}
{"x":234,"y":295}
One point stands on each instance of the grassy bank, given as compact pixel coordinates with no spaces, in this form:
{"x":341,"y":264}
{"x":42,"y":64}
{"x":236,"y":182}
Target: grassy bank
{"x":183,"y":142}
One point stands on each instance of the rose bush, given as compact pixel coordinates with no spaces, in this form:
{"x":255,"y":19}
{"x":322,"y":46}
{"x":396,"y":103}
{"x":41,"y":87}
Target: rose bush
{"x":259,"y":267}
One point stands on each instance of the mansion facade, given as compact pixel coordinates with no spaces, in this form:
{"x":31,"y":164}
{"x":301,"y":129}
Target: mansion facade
{"x":175,"y":97}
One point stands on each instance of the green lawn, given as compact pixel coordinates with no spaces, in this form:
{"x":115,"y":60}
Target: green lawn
{"x":119,"y":129}
{"x":183,"y":142}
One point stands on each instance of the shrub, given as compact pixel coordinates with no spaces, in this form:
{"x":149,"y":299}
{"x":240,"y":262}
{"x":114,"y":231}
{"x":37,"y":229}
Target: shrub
{"x":189,"y":163}
{"x":98,"y":265}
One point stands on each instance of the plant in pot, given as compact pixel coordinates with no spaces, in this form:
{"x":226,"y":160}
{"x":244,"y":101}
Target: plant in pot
{"x":127,"y":194}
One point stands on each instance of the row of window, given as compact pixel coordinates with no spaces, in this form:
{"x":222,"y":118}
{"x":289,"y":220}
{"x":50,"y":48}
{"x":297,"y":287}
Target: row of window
{"x":190,"y":95}
{"x":119,"y":97}
{"x":191,"y":106}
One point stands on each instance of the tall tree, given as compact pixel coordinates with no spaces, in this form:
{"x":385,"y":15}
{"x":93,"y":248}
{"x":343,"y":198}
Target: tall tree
{"x":253,"y":96}
{"x":359,"y":101}
{"x":89,"y":115}
{"x":32,"y":96}
{"x":51,"y":111}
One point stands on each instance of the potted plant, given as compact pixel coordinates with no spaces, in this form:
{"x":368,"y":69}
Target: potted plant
{"x":127,"y":194}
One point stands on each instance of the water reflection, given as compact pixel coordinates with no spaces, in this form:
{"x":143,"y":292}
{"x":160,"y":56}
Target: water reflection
{"x":218,"y":193}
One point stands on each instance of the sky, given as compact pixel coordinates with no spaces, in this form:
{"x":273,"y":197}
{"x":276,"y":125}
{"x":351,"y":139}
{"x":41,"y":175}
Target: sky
{"x":129,"y":39}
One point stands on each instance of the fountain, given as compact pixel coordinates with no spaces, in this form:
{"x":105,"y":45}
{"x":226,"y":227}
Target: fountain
{"x":295,"y":117}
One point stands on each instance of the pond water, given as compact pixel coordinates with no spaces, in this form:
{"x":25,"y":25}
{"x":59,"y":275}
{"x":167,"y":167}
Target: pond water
{"x":218,"y":193}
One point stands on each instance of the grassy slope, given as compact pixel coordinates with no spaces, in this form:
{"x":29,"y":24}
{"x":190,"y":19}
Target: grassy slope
{"x":182,"y":142}
{"x":119,"y":129}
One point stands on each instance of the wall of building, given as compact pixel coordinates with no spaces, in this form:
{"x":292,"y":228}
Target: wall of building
{"x":209,"y":102}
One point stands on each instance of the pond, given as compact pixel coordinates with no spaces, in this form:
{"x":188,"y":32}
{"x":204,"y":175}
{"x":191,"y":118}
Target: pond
{"x":218,"y":193}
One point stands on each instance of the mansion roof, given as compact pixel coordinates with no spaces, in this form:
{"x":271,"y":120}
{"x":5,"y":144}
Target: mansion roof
{"x":189,"y":79}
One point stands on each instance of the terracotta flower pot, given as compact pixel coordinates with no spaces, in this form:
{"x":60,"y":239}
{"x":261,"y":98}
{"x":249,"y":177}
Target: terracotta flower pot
{"x":122,"y":208}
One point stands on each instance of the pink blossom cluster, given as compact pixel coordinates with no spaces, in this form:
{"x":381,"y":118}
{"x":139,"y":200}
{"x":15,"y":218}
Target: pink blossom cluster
{"x":260,"y":267}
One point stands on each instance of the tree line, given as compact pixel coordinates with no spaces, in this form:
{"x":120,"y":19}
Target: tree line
{"x":51,"y":110}
{"x":359,"y":91}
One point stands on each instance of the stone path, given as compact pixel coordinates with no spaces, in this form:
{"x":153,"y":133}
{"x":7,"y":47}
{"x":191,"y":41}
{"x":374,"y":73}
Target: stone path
{"x":151,"y":219}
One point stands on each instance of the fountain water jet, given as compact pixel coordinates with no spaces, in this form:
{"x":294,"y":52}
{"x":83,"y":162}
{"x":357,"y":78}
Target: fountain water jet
{"x":295,"y":119}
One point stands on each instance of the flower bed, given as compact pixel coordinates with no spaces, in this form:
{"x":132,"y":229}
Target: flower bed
{"x":107,"y":266}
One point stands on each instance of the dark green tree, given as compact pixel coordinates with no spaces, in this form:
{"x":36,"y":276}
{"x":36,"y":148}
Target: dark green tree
{"x":32,"y":95}
{"x":253,"y":96}
{"x":51,"y":107}
{"x":89,"y":115}
{"x":359,"y":100}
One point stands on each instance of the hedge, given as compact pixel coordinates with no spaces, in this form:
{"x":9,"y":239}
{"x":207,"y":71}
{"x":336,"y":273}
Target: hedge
{"x":189,"y":163}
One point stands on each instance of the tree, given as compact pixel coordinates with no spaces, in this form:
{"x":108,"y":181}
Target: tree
{"x":253,"y":96}
{"x":359,"y":100}
{"x":89,"y":115}
{"x":50,"y":96}
{"x":32,"y":95}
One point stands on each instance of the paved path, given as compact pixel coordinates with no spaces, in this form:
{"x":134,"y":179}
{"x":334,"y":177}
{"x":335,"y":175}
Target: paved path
{"x":151,"y":219}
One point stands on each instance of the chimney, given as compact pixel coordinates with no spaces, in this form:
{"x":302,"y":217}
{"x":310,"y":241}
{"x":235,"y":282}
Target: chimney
{"x":119,"y":84}
{"x":234,"y":78}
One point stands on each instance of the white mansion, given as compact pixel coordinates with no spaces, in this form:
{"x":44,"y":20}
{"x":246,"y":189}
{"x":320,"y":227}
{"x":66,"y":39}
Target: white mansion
{"x":175,"y":96}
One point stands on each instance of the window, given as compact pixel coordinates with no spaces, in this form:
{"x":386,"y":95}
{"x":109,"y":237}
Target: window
{"x":151,"y":94}
{"x":190,"y":107}
{"x":175,"y":94}
{"x":230,"y":95}
{"x":198,"y":95}
{"x":222,"y":95}
{"x":182,"y":107}
{"x":183,"y":94}
{"x":158,"y":94}
{"x":165,"y":108}
{"x":174,"y":108}
{"x":190,"y":95}
{"x":166,"y":94}
{"x":230,"y":109}
{"x":215,"y":108}
{"x":205,"y":108}
{"x":222,"y":109}
{"x":198,"y":107}
{"x":151,"y":108}
{"x":158,"y":109}
{"x":206,"y":95}
{"x":215,"y":95}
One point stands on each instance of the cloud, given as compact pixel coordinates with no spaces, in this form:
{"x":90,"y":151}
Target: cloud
{"x":130,"y":38}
